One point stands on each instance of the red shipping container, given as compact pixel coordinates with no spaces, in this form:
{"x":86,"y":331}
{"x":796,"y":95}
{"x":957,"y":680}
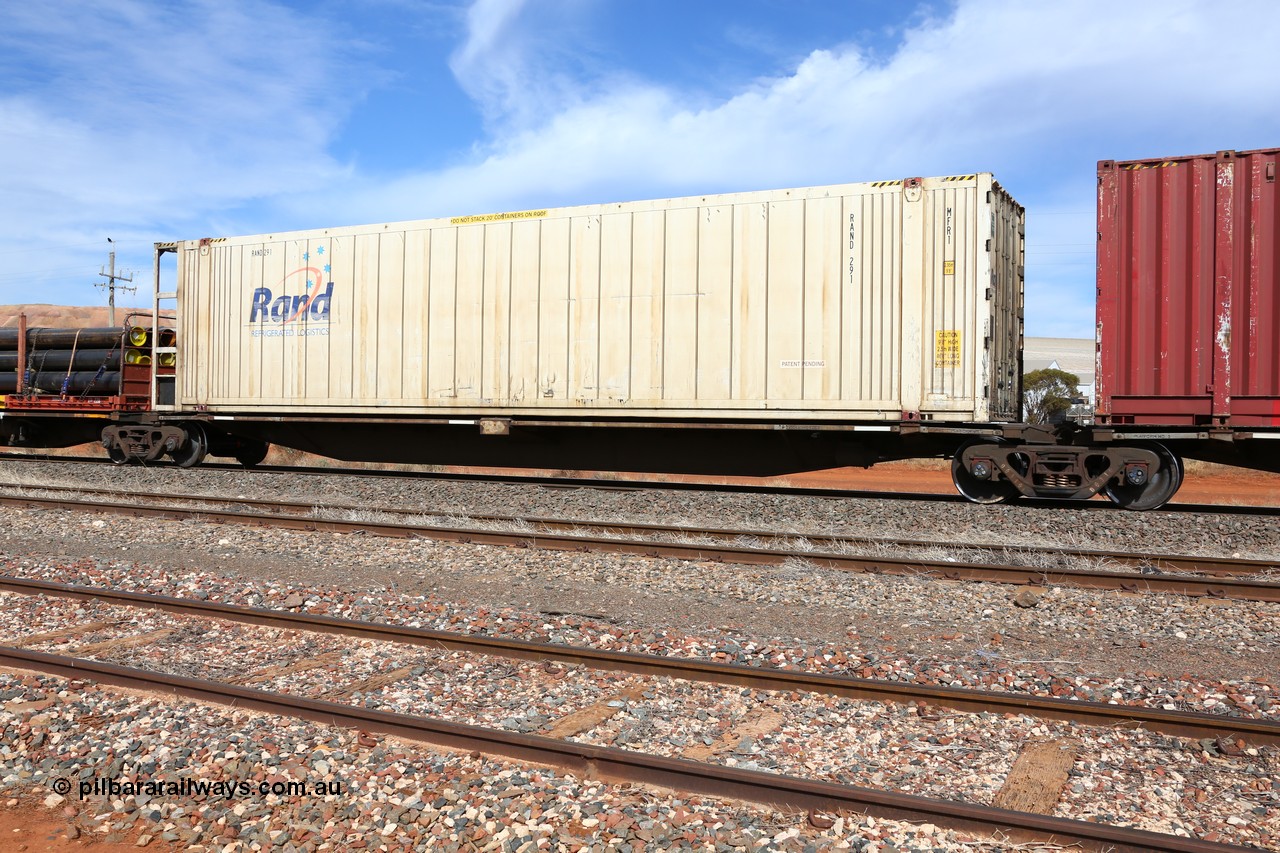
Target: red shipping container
{"x":1189,"y":290}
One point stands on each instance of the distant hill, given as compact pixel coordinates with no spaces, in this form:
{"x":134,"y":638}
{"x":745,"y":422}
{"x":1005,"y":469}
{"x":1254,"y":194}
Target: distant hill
{"x":61,"y":316}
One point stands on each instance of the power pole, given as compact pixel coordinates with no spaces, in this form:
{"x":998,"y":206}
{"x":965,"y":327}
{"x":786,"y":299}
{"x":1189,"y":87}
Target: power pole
{"x":110,"y":284}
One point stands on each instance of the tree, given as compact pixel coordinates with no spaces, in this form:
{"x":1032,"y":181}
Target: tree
{"x":1048,"y":393}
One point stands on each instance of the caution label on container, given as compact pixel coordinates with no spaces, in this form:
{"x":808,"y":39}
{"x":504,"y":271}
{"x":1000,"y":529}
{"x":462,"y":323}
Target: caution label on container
{"x":498,"y":217}
{"x":948,"y":267}
{"x":946,"y":348}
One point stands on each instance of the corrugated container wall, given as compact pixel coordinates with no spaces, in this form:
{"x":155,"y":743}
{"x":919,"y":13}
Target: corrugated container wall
{"x":860,"y":301}
{"x":1189,"y":290}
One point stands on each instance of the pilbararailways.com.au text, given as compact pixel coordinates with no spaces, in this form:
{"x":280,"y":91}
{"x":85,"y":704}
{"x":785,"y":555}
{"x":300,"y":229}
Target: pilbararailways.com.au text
{"x":191,"y":788}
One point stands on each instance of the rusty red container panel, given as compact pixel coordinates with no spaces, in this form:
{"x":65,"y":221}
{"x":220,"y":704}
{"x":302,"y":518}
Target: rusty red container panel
{"x":1189,"y":290}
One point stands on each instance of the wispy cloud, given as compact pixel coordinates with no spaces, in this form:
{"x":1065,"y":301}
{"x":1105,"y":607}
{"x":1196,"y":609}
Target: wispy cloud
{"x":522,"y":62}
{"x":1034,"y":92}
{"x":207,"y":117}
{"x":150,"y":116}
{"x":991,"y":83}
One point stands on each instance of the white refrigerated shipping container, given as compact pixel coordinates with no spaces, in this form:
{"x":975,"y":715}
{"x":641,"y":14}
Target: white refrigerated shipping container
{"x":874,"y":301}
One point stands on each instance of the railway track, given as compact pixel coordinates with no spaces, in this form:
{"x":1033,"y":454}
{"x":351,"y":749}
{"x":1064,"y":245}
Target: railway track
{"x":1236,"y":584}
{"x":1175,"y":723}
{"x":594,"y":762}
{"x":633,"y":766}
{"x":635,"y":485}
{"x":796,"y":541}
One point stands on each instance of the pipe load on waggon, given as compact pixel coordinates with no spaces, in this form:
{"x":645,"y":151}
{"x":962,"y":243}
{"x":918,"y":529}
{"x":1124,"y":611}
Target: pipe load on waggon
{"x":56,"y":382}
{"x":753,"y":333}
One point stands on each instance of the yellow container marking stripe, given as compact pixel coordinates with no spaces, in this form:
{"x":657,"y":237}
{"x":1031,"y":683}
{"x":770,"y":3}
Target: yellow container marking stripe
{"x":498,"y":217}
{"x":887,"y":183}
{"x":961,"y":178}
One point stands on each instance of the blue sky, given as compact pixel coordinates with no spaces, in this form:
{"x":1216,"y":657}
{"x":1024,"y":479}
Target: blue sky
{"x":146,"y":121}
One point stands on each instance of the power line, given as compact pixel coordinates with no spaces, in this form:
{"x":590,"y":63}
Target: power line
{"x":59,"y":246}
{"x":110,"y":284}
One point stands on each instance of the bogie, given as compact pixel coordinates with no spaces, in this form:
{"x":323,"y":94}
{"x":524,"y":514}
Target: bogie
{"x":1137,"y":476}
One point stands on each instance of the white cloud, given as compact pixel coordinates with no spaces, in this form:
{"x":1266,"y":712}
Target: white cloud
{"x":206,"y":108}
{"x":148,"y":117}
{"x":1002,"y":85}
{"x":490,"y":63}
{"x":522,"y":62}
{"x":1035,"y":92}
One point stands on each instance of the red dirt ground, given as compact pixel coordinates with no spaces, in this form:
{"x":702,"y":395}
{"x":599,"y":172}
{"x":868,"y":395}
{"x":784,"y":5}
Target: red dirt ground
{"x":59,"y":316}
{"x":1203,"y":484}
{"x":32,"y":827}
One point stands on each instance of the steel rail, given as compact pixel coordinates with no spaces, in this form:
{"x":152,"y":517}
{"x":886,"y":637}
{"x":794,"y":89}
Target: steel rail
{"x":614,"y":764}
{"x":634,"y":485}
{"x":1189,"y":585}
{"x":1175,"y":723}
{"x":1135,"y":559}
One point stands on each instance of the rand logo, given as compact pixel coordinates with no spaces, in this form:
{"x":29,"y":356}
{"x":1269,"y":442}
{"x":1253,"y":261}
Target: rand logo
{"x":310,"y":306}
{"x":281,"y":307}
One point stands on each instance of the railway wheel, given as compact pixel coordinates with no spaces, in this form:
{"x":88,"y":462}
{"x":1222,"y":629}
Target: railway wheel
{"x":192,"y":451}
{"x":989,"y":490}
{"x":117,"y":455}
{"x":1160,"y":485}
{"x":250,"y":452}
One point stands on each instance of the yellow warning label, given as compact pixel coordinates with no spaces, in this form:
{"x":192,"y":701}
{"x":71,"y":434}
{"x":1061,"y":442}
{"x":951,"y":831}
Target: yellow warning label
{"x":497,"y":217}
{"x":948,"y":267}
{"x":946,"y":348}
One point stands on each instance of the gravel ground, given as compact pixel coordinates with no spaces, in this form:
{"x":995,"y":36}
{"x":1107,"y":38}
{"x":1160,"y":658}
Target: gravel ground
{"x":1128,"y":778}
{"x":1150,"y":649}
{"x":379,"y":794}
{"x":1090,"y":643}
{"x":1245,"y":536}
{"x":802,"y":545}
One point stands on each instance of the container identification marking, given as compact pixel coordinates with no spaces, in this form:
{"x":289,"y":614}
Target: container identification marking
{"x":852,"y":244}
{"x":497,"y":217}
{"x":948,"y":267}
{"x":946,"y":348}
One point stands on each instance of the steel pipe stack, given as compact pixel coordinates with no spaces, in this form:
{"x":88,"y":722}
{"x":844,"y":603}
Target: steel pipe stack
{"x":73,"y":362}
{"x":51,"y":382}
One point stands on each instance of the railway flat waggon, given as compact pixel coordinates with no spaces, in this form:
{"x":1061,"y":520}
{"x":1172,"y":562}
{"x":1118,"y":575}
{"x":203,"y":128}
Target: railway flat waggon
{"x":756,"y":333}
{"x":753,"y":333}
